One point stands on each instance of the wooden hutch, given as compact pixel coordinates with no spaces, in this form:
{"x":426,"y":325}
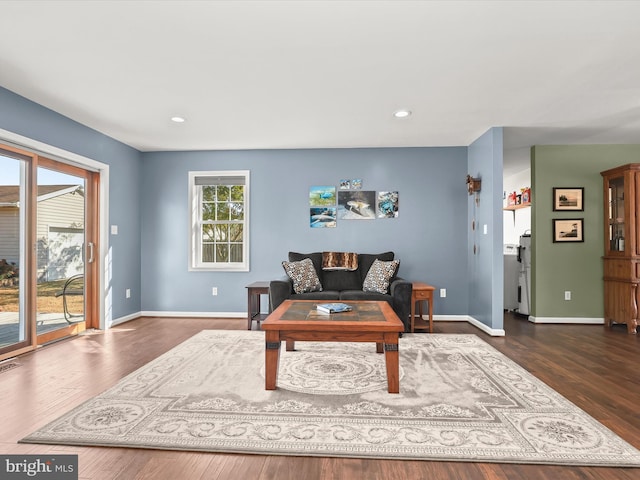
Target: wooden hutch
{"x":621,"y":245}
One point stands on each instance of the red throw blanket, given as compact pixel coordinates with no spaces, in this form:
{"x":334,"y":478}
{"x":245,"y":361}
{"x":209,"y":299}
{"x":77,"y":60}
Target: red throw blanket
{"x":339,"y":261}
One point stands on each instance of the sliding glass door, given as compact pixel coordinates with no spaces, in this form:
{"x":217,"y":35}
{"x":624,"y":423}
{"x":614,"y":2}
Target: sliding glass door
{"x":14,"y":331}
{"x":48,"y":272}
{"x":60,"y":252}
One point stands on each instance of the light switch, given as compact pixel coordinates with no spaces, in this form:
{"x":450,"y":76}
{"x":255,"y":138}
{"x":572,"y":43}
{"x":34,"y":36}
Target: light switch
{"x":114,"y":229}
{"x":485,"y":228}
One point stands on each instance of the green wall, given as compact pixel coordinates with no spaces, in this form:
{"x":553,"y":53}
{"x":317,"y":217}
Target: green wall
{"x":577,"y":267}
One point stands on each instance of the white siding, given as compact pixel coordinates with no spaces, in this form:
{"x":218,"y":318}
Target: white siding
{"x":9,"y":234}
{"x":60,"y":213}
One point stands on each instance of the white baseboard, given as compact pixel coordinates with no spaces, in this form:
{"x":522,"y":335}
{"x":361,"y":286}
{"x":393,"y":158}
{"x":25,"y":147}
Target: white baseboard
{"x":195,"y":314}
{"x":577,"y":320}
{"x":494,"y":332}
{"x":124,"y":319}
{"x":445,"y":318}
{"x":448,"y":318}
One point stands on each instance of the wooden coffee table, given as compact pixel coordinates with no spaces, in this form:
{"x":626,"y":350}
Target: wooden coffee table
{"x":299,"y":320}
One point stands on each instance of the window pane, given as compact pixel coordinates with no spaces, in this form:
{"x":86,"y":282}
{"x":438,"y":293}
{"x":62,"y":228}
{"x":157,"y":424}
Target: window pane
{"x":208,"y":233}
{"x":235,"y":232}
{"x":223,"y":193}
{"x":236,"y":211}
{"x":237,"y":193}
{"x":222,"y":211}
{"x":208,"y":252}
{"x":222,"y":253}
{"x":236,"y":253}
{"x":209,"y":193}
{"x":208,"y":211}
{"x":222,"y":233}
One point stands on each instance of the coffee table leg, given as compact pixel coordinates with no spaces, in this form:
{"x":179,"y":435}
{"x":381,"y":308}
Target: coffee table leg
{"x":271,"y":359}
{"x":392,"y":360}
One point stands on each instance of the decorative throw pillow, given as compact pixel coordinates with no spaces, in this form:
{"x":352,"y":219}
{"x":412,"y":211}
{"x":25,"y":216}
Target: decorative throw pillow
{"x":379,"y":276}
{"x":304,"y":276}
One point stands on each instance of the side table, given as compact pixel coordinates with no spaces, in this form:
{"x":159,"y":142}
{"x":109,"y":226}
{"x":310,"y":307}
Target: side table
{"x":421,"y":293}
{"x":254,"y":291}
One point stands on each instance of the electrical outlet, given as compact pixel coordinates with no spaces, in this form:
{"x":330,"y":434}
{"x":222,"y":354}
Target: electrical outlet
{"x":127,"y":293}
{"x":214,"y":291}
{"x":567,"y":295}
{"x":443,"y":292}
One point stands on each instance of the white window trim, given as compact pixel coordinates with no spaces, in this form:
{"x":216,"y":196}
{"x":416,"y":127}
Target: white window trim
{"x":194,"y":231}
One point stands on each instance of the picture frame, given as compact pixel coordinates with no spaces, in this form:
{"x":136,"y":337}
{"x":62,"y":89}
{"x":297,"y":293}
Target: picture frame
{"x":356,"y":205}
{"x":322,"y":196}
{"x":568,"y":199}
{"x":568,"y":230}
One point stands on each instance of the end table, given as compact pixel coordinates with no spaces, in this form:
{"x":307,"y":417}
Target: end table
{"x":254,"y":291}
{"x":421,"y":292}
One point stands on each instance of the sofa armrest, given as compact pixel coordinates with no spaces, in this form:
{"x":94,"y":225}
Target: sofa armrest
{"x":401,"y":291}
{"x":279,"y":291}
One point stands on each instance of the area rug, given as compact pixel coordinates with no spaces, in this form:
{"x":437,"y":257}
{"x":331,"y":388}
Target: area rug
{"x":460,"y":400}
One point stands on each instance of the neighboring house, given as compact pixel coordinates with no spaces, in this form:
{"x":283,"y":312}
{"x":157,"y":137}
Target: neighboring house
{"x":59,"y":230}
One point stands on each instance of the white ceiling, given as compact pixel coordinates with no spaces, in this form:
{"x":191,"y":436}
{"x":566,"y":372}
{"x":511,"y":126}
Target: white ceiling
{"x":327,"y":74}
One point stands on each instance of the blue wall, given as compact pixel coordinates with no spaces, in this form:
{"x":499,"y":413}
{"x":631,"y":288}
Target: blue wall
{"x":486,"y":271}
{"x":429,"y":236}
{"x":26,"y":118}
{"x":148,"y":201}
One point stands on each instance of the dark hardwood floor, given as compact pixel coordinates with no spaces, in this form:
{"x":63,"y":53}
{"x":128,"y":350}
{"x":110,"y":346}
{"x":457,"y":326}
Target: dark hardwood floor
{"x":594,"y":367}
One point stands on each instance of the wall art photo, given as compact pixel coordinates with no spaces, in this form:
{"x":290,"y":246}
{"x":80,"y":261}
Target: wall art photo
{"x":387,"y":204}
{"x":322,"y":196}
{"x":568,"y":230}
{"x":351,"y":184}
{"x":322,"y":217}
{"x":568,"y":199}
{"x":356,"y":205}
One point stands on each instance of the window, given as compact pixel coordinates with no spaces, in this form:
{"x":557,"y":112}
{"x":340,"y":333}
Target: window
{"x":219,"y":220}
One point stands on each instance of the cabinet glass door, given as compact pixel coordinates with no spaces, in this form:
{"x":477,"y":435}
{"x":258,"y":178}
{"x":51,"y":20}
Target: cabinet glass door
{"x":616,"y":215}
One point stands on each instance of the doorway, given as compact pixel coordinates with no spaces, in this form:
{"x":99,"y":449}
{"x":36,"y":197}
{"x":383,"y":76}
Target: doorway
{"x":48,"y":247}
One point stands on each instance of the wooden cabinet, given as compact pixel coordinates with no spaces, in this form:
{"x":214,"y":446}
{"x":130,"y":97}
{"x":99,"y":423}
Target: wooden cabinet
{"x":621,"y":249}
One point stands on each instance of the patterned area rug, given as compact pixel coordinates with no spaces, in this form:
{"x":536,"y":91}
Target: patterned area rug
{"x":460,"y":400}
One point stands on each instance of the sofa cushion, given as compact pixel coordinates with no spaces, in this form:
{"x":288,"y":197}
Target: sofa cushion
{"x":315,"y":257}
{"x":341,"y":280}
{"x":324,"y":295}
{"x":379,"y":276}
{"x":347,"y":295}
{"x":303,"y":275}
{"x":365,"y":260}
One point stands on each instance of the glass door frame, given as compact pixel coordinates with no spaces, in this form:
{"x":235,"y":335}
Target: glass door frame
{"x":27,"y":275}
{"x":96,"y":174}
{"x":90,"y":247}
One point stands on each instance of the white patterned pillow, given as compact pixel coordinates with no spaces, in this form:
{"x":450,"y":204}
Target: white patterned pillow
{"x":303,"y":275}
{"x":379,"y":276}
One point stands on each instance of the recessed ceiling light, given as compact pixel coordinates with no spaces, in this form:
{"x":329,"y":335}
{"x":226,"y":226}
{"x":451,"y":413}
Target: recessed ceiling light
{"x":177,"y":119}
{"x":402,"y":113}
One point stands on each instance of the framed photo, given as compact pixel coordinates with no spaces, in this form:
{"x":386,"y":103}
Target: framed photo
{"x":387,"y":205}
{"x":357,"y":205}
{"x":568,"y":199}
{"x":322,"y":196}
{"x":568,"y":230}
{"x":322,"y":217}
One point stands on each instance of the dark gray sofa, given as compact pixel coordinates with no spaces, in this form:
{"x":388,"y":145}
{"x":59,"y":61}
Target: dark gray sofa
{"x":344,"y":285}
